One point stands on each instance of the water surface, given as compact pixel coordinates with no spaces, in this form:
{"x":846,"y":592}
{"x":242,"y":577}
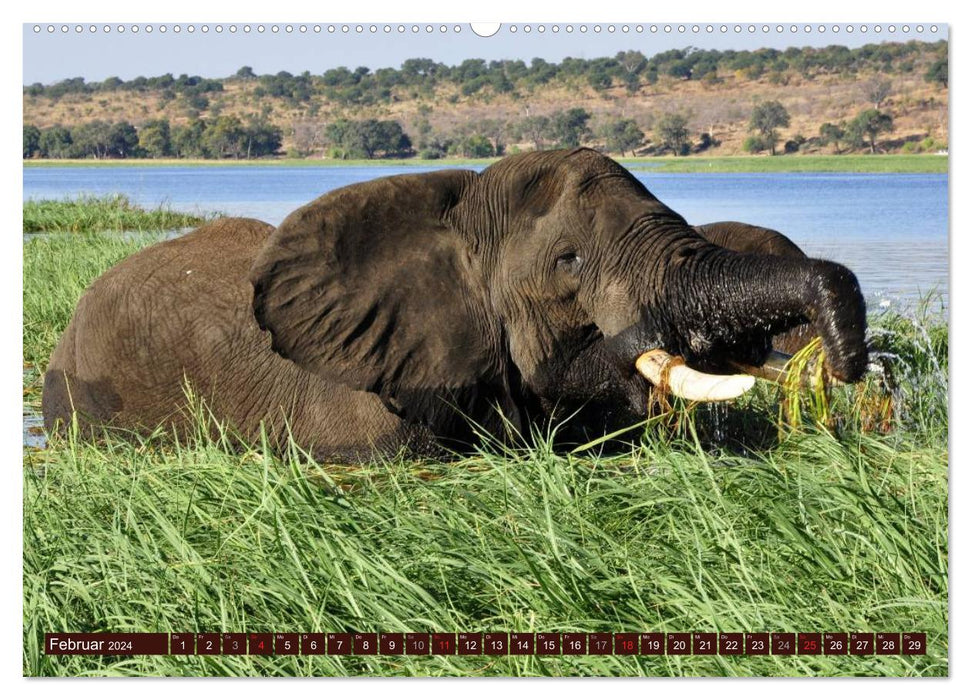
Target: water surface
{"x":891,"y":230}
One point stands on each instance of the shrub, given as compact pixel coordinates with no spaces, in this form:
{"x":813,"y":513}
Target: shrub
{"x":754,"y":144}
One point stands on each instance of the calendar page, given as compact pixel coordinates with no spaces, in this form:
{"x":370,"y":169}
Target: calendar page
{"x":423,"y":348}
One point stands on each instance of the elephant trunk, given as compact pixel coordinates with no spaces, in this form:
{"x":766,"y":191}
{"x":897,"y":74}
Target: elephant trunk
{"x":724,"y":307}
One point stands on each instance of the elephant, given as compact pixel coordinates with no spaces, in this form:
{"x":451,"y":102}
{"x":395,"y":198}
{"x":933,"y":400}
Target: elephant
{"x":748,"y":238}
{"x":418,"y":313}
{"x":600,"y":397}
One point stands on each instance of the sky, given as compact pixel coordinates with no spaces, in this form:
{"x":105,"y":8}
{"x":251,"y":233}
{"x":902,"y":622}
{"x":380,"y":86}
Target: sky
{"x":52,"y":56}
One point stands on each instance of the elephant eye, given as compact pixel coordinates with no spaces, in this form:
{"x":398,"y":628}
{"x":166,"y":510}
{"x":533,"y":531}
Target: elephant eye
{"x":568,"y":262}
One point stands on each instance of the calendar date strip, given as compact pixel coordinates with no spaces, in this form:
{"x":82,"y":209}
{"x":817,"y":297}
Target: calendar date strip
{"x":489,"y":643}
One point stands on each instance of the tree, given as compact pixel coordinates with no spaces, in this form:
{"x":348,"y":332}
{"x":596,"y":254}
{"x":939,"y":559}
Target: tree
{"x":537,"y":129}
{"x":417,"y":70}
{"x":391,"y":138}
{"x":262,"y":139}
{"x":541,"y":71}
{"x":307,"y":137}
{"x":832,"y":133}
{"x":500,"y":82}
{"x":245,"y":73}
{"x":155,"y":138}
{"x":469,"y":69}
{"x":680,"y":69}
{"x":56,"y":142}
{"x":877,"y":90}
{"x":937,"y":73}
{"x":569,"y":127}
{"x":338,"y":77}
{"x":188,"y":141}
{"x":495,"y":131}
{"x":622,"y":135}
{"x":706,"y":67}
{"x":672,"y":131}
{"x":794,"y":144}
{"x":766,"y":118}
{"x":92,"y":139}
{"x":632,"y":62}
{"x":31,"y":140}
{"x":368,"y":137}
{"x":599,"y":78}
{"x":477,"y":146}
{"x":224,"y":137}
{"x":122,"y":140}
{"x":473,"y":85}
{"x":754,"y":144}
{"x":869,"y":123}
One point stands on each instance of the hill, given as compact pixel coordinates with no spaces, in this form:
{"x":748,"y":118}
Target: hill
{"x":678,"y":102}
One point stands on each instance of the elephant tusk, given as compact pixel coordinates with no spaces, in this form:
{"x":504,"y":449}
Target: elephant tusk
{"x":668,"y":372}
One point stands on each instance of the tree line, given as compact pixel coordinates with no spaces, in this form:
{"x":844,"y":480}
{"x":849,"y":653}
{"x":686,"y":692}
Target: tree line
{"x":222,"y":137}
{"x":230,"y":137}
{"x":183,"y":85}
{"x":859,"y":132}
{"x":631,"y":69}
{"x":482,"y":138}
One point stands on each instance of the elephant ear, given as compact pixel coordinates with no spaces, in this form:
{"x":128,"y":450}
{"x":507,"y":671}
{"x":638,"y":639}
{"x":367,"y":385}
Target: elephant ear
{"x":374,"y":286}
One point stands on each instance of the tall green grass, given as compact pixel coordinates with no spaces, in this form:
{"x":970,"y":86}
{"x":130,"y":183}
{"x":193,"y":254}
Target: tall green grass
{"x":707,"y":522}
{"x":818,"y":534}
{"x":108,"y":213}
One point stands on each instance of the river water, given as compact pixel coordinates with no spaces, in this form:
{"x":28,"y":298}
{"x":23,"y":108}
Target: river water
{"x":891,"y":230}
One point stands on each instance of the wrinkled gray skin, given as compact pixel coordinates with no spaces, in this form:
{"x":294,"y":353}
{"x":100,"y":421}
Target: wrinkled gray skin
{"x":391,"y":314}
{"x":602,"y":397}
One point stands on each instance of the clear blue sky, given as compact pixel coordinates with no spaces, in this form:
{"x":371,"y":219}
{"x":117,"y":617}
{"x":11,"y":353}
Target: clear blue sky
{"x":96,"y":56}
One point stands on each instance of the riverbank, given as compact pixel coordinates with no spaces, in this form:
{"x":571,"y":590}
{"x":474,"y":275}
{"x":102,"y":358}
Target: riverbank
{"x":109,"y":213}
{"x":894,"y":163}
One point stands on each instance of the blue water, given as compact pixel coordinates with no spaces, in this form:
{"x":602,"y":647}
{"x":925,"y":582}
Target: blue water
{"x":891,"y":230}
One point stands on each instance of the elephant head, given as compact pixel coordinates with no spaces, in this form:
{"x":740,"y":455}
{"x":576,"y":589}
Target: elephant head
{"x":451,"y":292}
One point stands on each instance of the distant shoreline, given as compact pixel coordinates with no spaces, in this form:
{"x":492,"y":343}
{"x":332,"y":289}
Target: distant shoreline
{"x":892,"y":163}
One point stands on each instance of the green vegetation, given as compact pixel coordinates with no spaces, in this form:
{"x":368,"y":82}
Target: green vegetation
{"x":388,"y":112}
{"x":881,"y":163}
{"x":183,"y":85}
{"x":817,"y":534}
{"x":686,"y":530}
{"x":830,"y":133}
{"x":422,"y":76}
{"x":796,"y":164}
{"x":672,"y":133}
{"x":223,"y":137}
{"x":937,"y":73}
{"x":866,"y":126}
{"x":622,"y":135}
{"x":367,"y":138}
{"x":109,"y":213}
{"x":279,"y":162}
{"x":766,"y":118}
